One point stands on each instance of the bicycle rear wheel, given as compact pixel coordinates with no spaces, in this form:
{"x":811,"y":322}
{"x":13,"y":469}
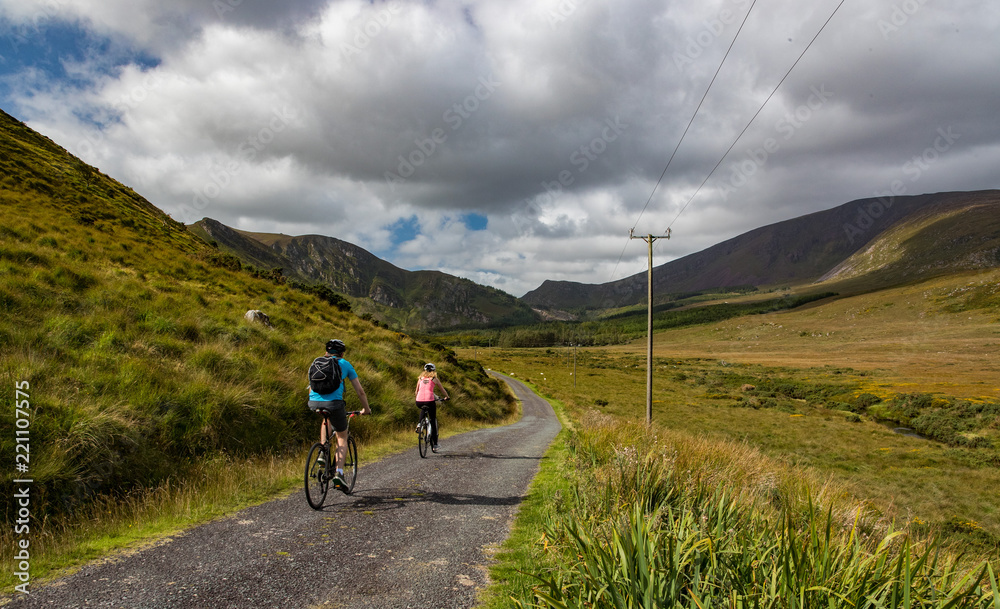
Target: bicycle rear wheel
{"x":316,"y":478}
{"x":423,"y":437}
{"x":350,"y":465}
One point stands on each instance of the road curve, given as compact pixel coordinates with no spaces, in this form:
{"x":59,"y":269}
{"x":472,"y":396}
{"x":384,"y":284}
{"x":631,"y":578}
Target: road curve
{"x":415,"y":533}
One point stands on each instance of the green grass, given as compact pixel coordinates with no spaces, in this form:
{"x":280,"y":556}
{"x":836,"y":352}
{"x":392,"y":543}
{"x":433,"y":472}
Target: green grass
{"x":683,"y":521}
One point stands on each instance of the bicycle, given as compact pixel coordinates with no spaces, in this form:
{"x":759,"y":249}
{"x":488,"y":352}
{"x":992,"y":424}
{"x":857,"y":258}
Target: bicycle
{"x":321,"y":464}
{"x":424,"y":430}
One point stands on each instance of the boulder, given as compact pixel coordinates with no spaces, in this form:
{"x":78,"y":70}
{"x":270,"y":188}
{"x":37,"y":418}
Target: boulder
{"x":257,"y":316}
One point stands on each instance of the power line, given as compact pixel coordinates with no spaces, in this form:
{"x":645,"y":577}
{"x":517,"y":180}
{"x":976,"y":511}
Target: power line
{"x":679,"y":141}
{"x":750,"y":122}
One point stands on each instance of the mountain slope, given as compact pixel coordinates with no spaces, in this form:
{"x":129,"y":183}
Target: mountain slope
{"x":938,"y":239}
{"x":796,"y":251}
{"x":415,"y":300}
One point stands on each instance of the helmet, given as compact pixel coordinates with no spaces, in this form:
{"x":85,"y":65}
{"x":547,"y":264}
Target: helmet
{"x":335,"y":346}
{"x":429,"y":367}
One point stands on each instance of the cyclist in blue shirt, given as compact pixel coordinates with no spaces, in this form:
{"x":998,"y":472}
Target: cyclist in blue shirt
{"x":334,"y":404}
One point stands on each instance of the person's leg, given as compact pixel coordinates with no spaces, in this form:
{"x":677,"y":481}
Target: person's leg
{"x":341,"y":450}
{"x":432,"y":409}
{"x":338,"y":421}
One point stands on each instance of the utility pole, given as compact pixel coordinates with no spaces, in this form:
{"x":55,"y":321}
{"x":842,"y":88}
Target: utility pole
{"x":574,"y":364}
{"x":649,"y":239}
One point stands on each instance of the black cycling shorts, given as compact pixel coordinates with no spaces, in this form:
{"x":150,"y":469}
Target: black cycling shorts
{"x":337,"y":410}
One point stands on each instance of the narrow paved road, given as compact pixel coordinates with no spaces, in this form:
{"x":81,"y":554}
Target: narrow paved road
{"x":415,"y":533}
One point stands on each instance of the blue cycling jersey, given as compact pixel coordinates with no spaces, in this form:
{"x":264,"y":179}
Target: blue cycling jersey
{"x":347,"y":372}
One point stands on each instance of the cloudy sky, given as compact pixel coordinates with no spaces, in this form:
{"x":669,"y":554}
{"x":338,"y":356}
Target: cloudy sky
{"x":512,"y":141}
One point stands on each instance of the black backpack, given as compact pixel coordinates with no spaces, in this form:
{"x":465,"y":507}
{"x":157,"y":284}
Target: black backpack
{"x":325,"y":375}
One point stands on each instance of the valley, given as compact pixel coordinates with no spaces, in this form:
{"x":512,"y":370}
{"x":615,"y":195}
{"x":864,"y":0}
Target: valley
{"x":771,"y":365}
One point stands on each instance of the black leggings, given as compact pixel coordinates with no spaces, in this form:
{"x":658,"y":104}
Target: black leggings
{"x":432,"y":412}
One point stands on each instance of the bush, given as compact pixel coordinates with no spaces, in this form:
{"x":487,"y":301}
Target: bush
{"x":863,"y":401}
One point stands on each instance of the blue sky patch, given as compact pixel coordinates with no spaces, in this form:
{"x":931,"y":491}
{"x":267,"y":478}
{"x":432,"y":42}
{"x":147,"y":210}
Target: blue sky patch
{"x":404,"y":229}
{"x":48,"y":46}
{"x":474,"y":221}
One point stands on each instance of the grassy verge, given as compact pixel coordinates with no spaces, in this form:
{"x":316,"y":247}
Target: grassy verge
{"x":522,"y":557}
{"x":683,"y":522}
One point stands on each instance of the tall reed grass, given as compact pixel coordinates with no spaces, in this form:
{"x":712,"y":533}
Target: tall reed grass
{"x":669,"y":520}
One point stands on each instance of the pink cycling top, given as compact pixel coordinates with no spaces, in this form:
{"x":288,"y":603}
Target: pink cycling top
{"x":425,"y":390}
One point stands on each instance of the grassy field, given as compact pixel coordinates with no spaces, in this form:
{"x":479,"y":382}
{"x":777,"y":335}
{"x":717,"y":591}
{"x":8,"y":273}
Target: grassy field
{"x":940,"y":336}
{"x":804,"y":394}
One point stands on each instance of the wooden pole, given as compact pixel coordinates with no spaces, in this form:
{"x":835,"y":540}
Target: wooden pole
{"x":649,"y":239}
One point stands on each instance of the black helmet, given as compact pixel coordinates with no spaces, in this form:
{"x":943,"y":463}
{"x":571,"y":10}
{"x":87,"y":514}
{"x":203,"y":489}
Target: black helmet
{"x":429,"y":367}
{"x":335,"y":346}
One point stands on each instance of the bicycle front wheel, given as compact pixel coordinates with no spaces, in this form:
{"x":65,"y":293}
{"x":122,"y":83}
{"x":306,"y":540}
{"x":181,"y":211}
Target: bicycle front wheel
{"x":350,"y":464}
{"x":317,"y":481}
{"x":423,"y":438}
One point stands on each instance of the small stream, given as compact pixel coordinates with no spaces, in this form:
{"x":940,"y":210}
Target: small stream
{"x":903,"y":431}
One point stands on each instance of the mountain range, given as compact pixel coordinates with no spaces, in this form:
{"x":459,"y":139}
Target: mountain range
{"x":861,"y":245}
{"x":413,"y":300}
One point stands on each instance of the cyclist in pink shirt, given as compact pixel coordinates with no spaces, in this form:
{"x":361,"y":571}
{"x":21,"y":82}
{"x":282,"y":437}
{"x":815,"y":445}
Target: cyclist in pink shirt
{"x":426,"y":397}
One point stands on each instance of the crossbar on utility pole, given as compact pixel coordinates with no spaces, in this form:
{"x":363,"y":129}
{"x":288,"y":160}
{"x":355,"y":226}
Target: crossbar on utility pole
{"x":649,"y":239}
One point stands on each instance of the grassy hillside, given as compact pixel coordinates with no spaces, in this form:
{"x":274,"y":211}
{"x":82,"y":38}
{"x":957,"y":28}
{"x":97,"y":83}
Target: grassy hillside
{"x":938,"y":240}
{"x":954,"y":236}
{"x":127,"y":333}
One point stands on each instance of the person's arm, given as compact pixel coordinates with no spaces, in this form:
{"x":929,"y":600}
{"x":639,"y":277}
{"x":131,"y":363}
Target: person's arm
{"x":437,"y":382}
{"x":358,"y":389}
